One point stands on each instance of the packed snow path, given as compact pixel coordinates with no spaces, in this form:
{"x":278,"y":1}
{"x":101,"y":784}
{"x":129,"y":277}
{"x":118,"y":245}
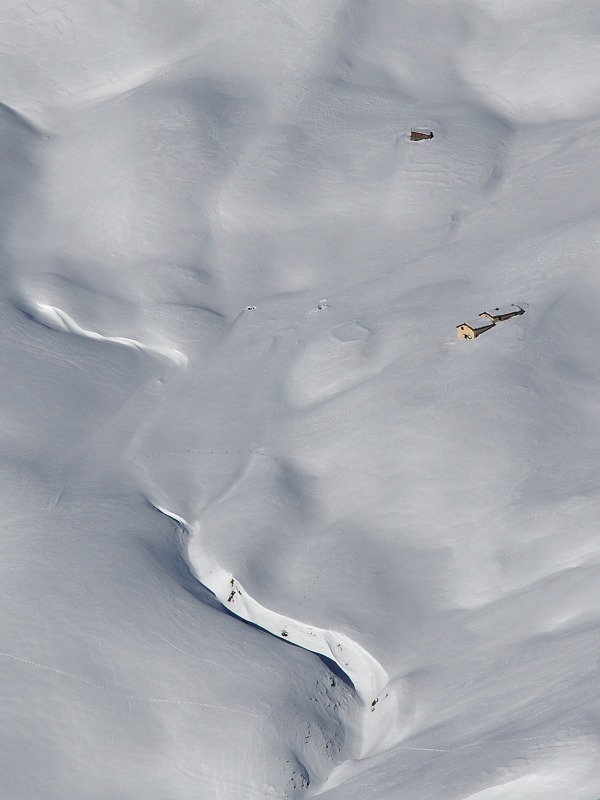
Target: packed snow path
{"x":368,"y":677}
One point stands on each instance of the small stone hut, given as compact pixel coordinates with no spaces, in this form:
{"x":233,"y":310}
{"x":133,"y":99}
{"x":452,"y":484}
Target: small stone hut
{"x":473,"y":329}
{"x":419,"y":134}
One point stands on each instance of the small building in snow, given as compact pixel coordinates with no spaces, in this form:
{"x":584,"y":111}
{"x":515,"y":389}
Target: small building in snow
{"x":502,"y":313}
{"x":471,"y":330}
{"x":419,"y":134}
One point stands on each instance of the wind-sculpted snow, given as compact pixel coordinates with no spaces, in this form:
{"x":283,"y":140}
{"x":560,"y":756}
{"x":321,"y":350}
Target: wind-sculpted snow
{"x":59,"y":320}
{"x":368,"y":677}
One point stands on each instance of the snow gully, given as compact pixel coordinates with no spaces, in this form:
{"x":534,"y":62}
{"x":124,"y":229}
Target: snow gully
{"x":369,"y":678}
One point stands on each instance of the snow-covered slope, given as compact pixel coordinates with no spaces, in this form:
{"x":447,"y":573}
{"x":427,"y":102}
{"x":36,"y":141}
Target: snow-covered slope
{"x":268,"y":528}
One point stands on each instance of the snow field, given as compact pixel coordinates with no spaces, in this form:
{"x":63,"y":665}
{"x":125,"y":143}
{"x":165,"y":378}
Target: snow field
{"x":182,"y":190}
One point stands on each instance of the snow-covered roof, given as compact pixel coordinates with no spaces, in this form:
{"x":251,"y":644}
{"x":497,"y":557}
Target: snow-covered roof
{"x":477,"y":324}
{"x":500,"y":312}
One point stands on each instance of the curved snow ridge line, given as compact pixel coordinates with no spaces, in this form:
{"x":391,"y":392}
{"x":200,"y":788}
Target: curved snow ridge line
{"x":368,"y":676}
{"x":57,"y":319}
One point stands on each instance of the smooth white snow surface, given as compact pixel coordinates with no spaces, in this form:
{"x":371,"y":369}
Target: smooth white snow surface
{"x":261,"y":544}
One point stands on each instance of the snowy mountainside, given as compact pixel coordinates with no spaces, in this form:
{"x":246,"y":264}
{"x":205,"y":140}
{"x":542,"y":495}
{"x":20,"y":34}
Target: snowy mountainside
{"x":270,"y":529}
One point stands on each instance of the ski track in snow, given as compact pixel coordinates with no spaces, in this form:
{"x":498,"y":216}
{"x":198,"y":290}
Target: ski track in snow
{"x":370,"y":680}
{"x":124,"y":695}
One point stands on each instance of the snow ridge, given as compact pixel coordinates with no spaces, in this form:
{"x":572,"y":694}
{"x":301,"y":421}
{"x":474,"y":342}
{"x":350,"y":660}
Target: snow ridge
{"x":58,"y":320}
{"x":370,"y":680}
